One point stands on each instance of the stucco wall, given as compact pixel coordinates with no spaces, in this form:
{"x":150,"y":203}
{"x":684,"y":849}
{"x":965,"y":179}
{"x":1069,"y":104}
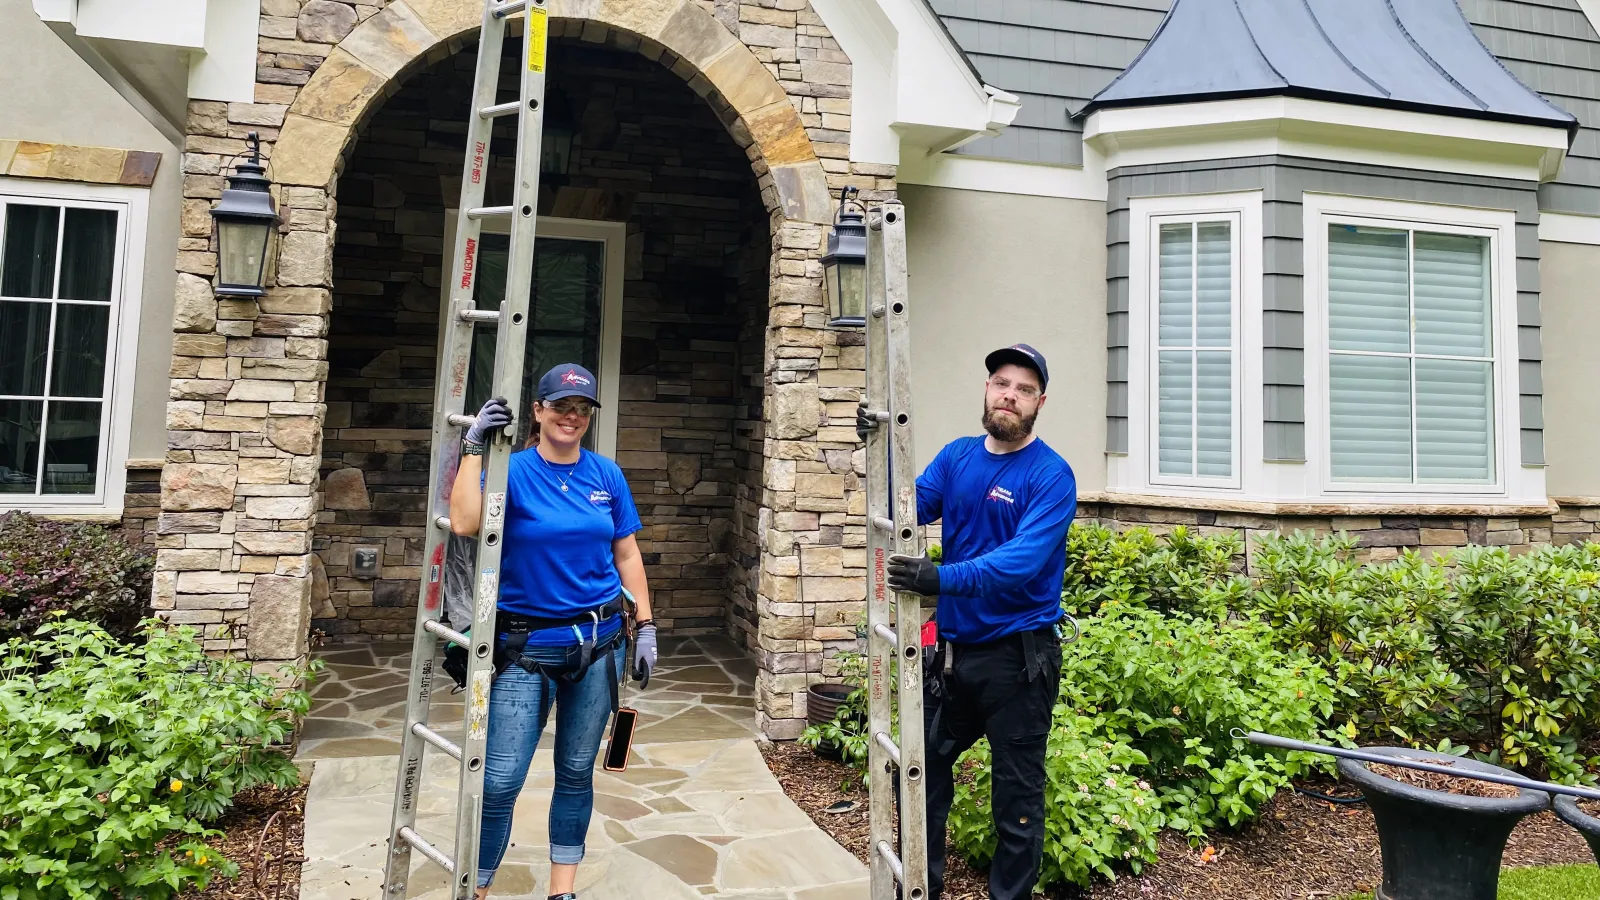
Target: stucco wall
{"x":52,"y":96}
{"x":1571,"y":334}
{"x":988,"y":270}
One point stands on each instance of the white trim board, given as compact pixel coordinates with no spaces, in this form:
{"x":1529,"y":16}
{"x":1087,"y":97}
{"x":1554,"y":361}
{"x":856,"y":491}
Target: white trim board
{"x":1563,"y":228}
{"x":971,"y":173}
{"x":1293,"y":126}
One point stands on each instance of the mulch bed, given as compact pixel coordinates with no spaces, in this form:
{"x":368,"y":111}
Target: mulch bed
{"x":264,"y":833}
{"x":1300,"y":849}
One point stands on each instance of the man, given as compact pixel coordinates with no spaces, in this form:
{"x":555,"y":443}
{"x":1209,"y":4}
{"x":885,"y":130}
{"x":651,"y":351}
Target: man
{"x":1006,"y":500}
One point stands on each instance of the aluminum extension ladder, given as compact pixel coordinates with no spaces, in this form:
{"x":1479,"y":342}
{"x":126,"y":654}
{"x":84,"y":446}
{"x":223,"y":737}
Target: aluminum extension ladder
{"x":511,"y":322}
{"x":894,"y":625}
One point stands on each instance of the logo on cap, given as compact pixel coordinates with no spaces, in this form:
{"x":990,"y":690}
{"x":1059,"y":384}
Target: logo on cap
{"x":573,"y":378}
{"x":1022,"y":349}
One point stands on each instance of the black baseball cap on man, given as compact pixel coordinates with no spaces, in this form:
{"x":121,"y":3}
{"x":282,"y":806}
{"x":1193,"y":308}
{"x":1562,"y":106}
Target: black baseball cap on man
{"x":1021,"y":355}
{"x":568,"y":380}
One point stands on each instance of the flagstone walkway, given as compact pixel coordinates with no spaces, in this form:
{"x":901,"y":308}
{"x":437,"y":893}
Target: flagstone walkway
{"x":696,"y":814}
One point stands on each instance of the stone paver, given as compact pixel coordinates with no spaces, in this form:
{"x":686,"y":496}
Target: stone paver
{"x":696,"y":814}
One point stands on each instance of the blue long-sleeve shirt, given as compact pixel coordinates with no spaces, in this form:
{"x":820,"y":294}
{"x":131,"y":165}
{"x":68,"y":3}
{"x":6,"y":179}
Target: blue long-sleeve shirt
{"x":1005,"y":531}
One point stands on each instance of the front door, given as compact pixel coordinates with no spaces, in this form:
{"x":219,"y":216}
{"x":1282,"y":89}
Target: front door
{"x":574,"y":315}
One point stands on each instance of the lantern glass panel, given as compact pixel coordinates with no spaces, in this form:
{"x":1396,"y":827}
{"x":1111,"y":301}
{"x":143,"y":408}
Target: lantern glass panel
{"x":243,"y":251}
{"x":850,"y":300}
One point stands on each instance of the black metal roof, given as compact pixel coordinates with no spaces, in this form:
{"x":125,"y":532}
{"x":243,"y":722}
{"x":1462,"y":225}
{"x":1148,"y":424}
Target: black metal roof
{"x":1418,"y":55}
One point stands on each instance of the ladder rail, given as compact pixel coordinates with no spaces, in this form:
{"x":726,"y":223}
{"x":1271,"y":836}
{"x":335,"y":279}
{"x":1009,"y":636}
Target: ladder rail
{"x":890,"y":224}
{"x":458,"y":322}
{"x":894,"y":620}
{"x":510,"y":352}
{"x":881,"y":636}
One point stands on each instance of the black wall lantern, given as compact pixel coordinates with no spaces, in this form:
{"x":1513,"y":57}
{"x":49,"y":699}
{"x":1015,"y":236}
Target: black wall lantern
{"x":844,"y":267}
{"x":246,"y":223}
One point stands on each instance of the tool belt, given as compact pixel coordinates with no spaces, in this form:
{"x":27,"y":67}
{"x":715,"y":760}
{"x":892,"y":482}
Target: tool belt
{"x":1038,"y":646}
{"x":511,"y":639}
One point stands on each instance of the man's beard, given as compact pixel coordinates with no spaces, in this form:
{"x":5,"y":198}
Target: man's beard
{"x":1009,"y":429}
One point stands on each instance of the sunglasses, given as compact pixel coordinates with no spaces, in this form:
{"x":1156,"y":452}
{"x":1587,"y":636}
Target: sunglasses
{"x":563,"y":408}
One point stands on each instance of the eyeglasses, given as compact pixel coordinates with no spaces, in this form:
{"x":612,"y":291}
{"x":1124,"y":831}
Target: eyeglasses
{"x":1025,"y":391}
{"x":562,"y":408}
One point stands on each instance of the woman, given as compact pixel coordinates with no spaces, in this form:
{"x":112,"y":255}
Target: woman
{"x":569,"y":552}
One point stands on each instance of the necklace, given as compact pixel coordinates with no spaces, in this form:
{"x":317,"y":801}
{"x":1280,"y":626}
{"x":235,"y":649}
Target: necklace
{"x":557,"y":472}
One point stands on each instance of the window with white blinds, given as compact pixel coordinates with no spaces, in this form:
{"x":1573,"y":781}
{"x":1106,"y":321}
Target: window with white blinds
{"x":1410,"y":356}
{"x":1196,"y":329}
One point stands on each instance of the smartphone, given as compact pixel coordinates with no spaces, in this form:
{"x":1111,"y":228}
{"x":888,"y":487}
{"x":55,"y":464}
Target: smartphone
{"x":621,"y":739}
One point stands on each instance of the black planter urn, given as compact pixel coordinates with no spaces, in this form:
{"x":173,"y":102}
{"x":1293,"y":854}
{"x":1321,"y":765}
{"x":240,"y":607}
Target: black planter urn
{"x":1587,"y":825}
{"x":822,"y":703}
{"x":1439,"y":846}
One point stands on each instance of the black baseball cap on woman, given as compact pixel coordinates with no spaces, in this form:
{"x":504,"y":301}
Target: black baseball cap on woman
{"x":1021,"y":355}
{"x":568,"y":380}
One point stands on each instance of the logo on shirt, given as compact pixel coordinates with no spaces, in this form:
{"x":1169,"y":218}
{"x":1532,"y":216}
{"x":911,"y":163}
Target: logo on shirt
{"x":573,"y":378}
{"x":1001,"y":495}
{"x":599,"y":497}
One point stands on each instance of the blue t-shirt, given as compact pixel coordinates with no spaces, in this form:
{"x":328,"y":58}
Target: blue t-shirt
{"x":557,"y":561}
{"x":1005,"y":536}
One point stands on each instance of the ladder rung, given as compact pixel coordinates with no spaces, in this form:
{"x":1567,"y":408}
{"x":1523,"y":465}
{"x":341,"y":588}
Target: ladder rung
{"x":510,"y":9}
{"x":479,"y":315}
{"x":489,"y":212}
{"x":886,"y":633}
{"x":448,"y":746}
{"x":880,"y":415}
{"x":883,"y":740}
{"x":500,"y":109}
{"x":463,"y":421}
{"x":882,"y":523}
{"x":442,"y":522}
{"x":434,"y":627}
{"x":430,"y":851}
{"x":885,"y":851}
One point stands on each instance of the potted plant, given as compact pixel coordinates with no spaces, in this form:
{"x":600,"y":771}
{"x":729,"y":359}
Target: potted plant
{"x":1441,"y":837}
{"x":1588,"y":826}
{"x":829,"y":731}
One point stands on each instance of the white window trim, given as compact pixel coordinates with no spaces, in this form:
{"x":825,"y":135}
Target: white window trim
{"x":614,"y":235}
{"x":123,"y":330}
{"x":1135,"y":471}
{"x":1514,"y":481}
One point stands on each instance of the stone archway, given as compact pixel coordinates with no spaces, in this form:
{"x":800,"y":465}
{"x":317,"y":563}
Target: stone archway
{"x":240,"y":492}
{"x":319,"y":126}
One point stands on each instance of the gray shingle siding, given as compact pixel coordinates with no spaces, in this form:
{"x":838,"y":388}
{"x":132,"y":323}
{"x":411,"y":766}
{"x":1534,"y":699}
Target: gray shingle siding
{"x":1055,"y":55}
{"x":1283,"y":182}
{"x":1551,"y":46}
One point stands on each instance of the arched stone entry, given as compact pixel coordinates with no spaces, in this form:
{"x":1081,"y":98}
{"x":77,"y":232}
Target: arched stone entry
{"x":370,"y":62}
{"x":241,"y":496}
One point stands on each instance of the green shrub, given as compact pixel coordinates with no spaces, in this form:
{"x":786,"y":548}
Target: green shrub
{"x":107,"y":749}
{"x":84,"y":571}
{"x":1482,"y":648}
{"x":1179,"y":572}
{"x":1142,"y":739}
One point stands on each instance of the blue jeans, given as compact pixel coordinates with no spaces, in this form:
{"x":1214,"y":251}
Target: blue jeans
{"x":519,"y":707}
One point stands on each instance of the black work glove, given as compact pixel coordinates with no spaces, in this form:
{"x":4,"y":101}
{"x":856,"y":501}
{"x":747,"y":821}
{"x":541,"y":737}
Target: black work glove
{"x":917,"y":574}
{"x":864,"y":423}
{"x":455,"y":664}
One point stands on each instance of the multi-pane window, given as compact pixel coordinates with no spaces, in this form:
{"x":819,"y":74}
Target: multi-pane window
{"x":1196,"y":312}
{"x":59,"y":281}
{"x":1410,"y":356}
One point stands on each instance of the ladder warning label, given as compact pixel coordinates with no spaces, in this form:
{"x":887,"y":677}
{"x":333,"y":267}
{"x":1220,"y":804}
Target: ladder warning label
{"x":538,"y":28}
{"x":488,"y":594}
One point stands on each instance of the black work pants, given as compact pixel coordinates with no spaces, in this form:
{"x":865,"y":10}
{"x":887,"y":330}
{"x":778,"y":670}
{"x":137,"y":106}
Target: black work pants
{"x":988,"y":692}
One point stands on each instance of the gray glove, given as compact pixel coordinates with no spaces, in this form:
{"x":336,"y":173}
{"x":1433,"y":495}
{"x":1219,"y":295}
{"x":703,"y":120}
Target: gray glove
{"x":644,"y":654}
{"x":495,"y":415}
{"x":865,"y":424}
